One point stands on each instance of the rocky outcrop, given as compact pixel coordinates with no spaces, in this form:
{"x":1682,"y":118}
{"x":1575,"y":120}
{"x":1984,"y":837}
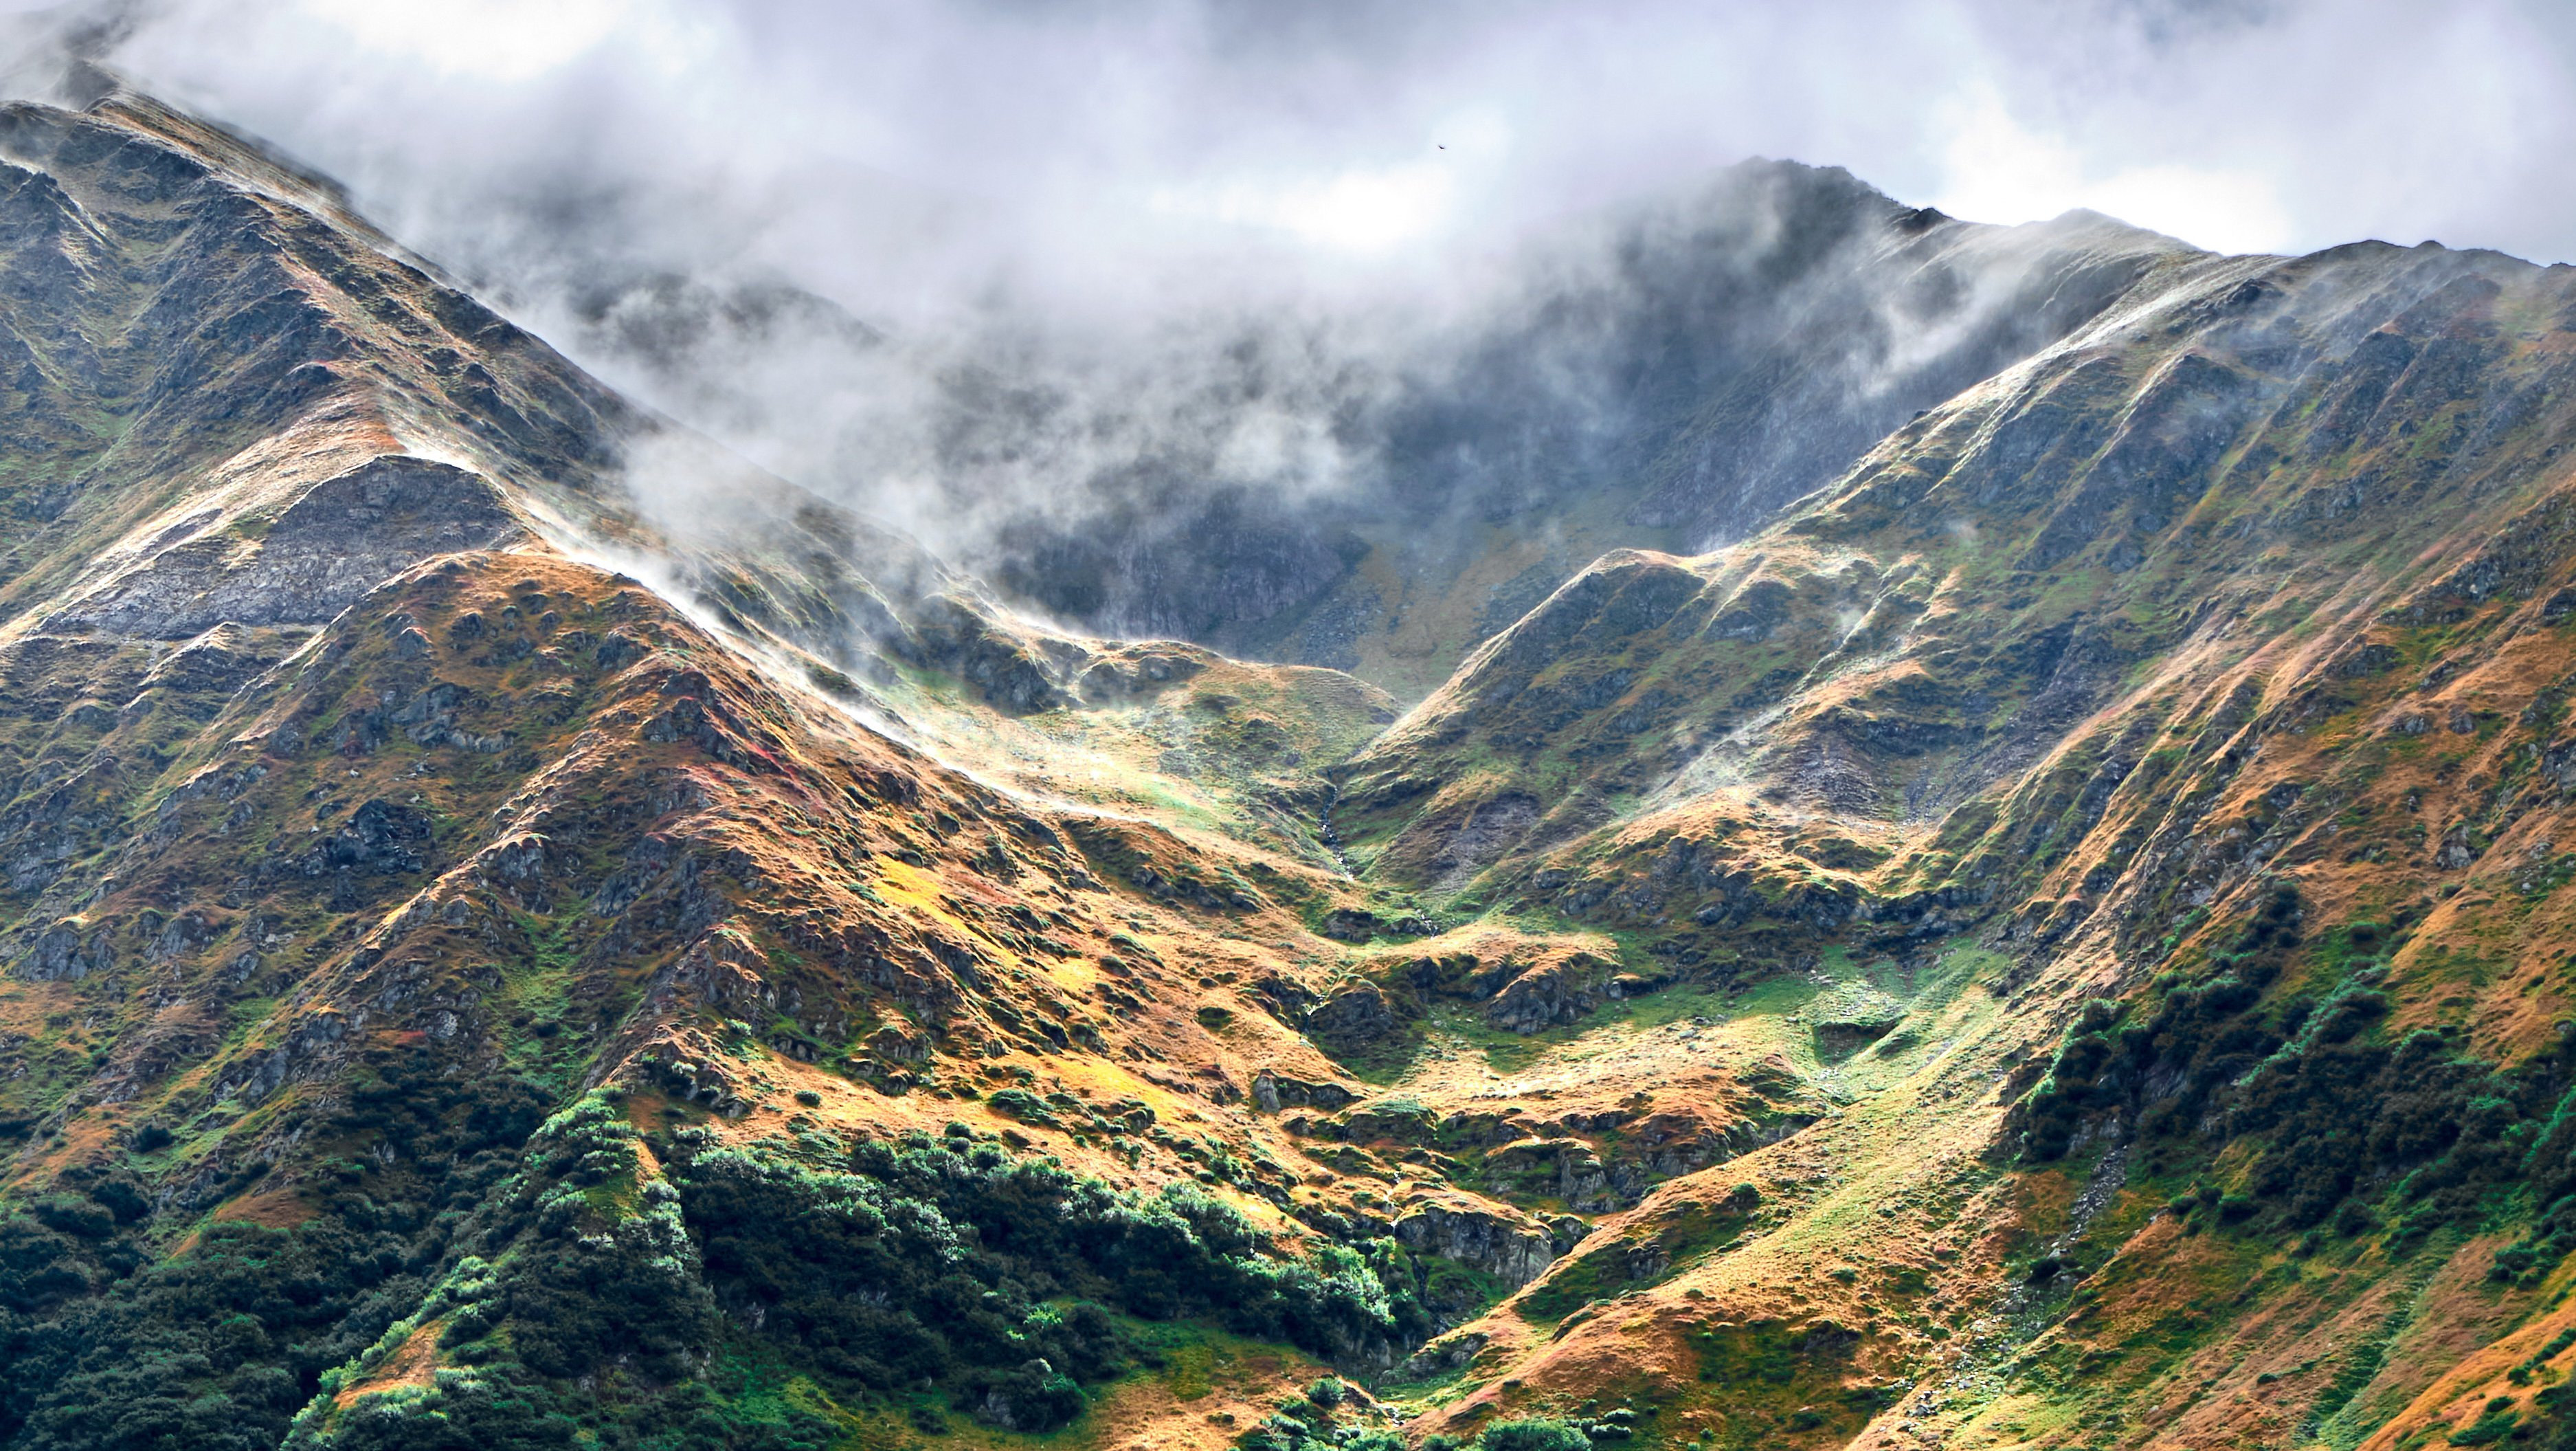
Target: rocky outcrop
{"x":1356,"y":1018}
{"x":1445,"y":1354}
{"x":1557,"y":990}
{"x":1014,"y":671}
{"x":1488,"y":1238}
{"x":339,"y":539}
{"x":1273,"y":1091}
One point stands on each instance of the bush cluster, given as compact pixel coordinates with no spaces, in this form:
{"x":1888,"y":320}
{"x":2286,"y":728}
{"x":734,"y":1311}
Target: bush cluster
{"x":111,"y":1345}
{"x":970,"y":1249}
{"x":586,"y":1291}
{"x":948,"y":1265}
{"x":2340,"y":1114}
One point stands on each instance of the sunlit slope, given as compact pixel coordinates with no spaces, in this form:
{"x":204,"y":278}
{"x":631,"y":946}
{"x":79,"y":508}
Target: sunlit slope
{"x":423,"y":934}
{"x":2208,"y":669}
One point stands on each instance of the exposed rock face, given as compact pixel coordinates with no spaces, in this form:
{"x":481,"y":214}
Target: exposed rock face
{"x":1355,"y":1018}
{"x":339,"y":539}
{"x":1453,"y":1352}
{"x":1557,"y":991}
{"x":1852,"y":1019}
{"x":1486,"y":1238}
{"x":1273,"y":1092}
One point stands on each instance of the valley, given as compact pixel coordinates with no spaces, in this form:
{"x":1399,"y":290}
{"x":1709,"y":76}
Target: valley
{"x":2053,"y":932}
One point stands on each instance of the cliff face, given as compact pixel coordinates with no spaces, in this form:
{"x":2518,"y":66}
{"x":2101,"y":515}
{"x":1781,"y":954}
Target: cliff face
{"x":517,"y":929}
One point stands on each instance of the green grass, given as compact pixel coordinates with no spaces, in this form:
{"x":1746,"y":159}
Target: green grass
{"x":536,"y":986}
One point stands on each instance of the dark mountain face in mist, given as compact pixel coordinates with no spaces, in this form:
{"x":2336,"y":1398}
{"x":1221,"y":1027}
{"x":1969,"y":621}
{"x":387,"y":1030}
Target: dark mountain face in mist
{"x":1669,"y":379}
{"x":1664,"y":376}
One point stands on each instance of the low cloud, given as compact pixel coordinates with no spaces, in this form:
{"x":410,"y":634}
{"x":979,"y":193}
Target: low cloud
{"x":970,"y":264}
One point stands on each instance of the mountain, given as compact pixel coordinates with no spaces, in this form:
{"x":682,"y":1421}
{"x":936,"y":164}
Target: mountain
{"x":2144,"y":766}
{"x":519,"y":929}
{"x":372,"y":838}
{"x":1657,"y":376}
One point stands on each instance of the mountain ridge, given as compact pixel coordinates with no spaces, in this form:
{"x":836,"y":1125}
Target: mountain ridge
{"x":2053,"y":940}
{"x":1716,"y":414}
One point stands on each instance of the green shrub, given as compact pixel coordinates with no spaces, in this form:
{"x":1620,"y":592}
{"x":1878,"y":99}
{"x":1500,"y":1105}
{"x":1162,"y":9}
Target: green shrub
{"x":578,"y":1281}
{"x":1535,"y":1434}
{"x":1034,"y":1397}
{"x":2494,"y":1426}
{"x":1023,"y":1105}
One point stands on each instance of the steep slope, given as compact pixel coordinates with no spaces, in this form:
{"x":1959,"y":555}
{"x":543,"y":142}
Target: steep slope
{"x":2150,"y":754}
{"x":399,"y":899}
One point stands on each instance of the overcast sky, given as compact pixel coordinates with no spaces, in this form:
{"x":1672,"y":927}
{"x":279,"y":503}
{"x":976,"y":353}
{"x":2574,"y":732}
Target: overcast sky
{"x":837,"y":134}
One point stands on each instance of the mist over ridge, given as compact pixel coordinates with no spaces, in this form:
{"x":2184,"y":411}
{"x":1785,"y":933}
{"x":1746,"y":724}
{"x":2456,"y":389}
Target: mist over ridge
{"x":1055,"y":290}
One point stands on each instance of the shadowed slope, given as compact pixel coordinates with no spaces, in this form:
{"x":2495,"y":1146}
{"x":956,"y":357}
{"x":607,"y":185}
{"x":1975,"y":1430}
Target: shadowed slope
{"x":1660,"y":376}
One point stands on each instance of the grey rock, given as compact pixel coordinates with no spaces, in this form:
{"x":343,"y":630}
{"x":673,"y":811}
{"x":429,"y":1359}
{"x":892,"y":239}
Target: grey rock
{"x":1491,"y":1238}
{"x":340,"y":539}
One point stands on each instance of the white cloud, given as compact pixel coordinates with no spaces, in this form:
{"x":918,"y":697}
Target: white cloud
{"x":1115,"y":189}
{"x":502,"y":40}
{"x":1996,"y":169}
{"x":1362,"y":210}
{"x":1090,"y":142}
{"x":2225,"y":210}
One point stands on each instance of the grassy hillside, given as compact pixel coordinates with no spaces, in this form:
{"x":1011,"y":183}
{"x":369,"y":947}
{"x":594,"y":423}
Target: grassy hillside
{"x":520,"y":930}
{"x":2204,"y":673}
